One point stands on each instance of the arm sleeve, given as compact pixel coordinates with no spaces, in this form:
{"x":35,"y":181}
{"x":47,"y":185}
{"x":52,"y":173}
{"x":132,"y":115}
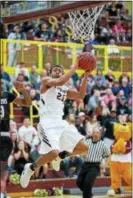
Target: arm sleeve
{"x":11,"y":97}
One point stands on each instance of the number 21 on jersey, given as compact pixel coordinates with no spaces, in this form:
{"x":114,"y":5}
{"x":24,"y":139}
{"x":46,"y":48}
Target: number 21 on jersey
{"x":61,"y":96}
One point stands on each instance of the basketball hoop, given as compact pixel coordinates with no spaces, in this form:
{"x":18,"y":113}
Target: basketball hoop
{"x":82,"y":22}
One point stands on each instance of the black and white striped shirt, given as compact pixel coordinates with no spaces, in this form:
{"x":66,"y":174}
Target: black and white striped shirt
{"x":97,"y":151}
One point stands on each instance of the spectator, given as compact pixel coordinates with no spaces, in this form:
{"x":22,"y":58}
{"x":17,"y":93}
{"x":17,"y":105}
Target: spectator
{"x":100,"y":75}
{"x":119,"y":5}
{"x":13,"y":126}
{"x":121,"y":37}
{"x":109,"y":98}
{"x":112,"y":11}
{"x":112,"y":48}
{"x":47,"y":67}
{"x":125,"y":87}
{"x":58,"y":36}
{"x":13,"y":48}
{"x":109,"y":76}
{"x":93,"y":101}
{"x":4,"y":75}
{"x":6,"y":86}
{"x":98,"y":85}
{"x":115,"y":88}
{"x":109,"y":128}
{"x":34,"y":76}
{"x":14,"y":140}
{"x":124,"y":75}
{"x":26,"y":132}
{"x":21,"y":156}
{"x":34,"y":96}
{"x":21,"y":69}
{"x":120,"y":93}
{"x":81,"y":112}
{"x":118,"y":27}
{"x":105,"y":112}
{"x":71,"y":162}
{"x":43,"y":35}
{"x":91,"y":123}
{"x":122,"y":107}
{"x":28,"y":88}
{"x":20,"y":78}
{"x":129,"y":35}
{"x":80,"y":126}
{"x":105,"y":33}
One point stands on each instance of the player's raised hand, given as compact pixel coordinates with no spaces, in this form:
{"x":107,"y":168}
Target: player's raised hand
{"x":19,"y":86}
{"x":87,"y":73}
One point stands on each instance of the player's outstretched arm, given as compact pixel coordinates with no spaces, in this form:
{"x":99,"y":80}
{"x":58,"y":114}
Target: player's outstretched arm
{"x":63,"y":79}
{"x":26,"y":101}
{"x":75,"y":95}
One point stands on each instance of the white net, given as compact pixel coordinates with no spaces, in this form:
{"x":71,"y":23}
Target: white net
{"x":82,"y":22}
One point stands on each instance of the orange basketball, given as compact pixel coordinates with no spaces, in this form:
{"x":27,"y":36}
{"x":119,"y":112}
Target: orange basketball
{"x":87,"y":61}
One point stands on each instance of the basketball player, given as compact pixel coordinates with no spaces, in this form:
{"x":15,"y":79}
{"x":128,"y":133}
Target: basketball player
{"x":5,"y":141}
{"x":56,"y":134}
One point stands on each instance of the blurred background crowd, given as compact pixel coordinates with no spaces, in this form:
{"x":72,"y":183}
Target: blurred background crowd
{"x":114,"y":22}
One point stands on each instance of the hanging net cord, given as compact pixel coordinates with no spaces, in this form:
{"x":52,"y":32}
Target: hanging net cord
{"x":82,"y":22}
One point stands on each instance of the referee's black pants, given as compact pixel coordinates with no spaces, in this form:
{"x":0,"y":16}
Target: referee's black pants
{"x":86,"y":178}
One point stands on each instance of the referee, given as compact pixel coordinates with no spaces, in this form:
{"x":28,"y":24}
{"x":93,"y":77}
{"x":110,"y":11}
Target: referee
{"x":91,"y":167}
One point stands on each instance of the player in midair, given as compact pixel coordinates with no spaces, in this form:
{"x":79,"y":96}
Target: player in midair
{"x":5,"y":142}
{"x":56,"y":134}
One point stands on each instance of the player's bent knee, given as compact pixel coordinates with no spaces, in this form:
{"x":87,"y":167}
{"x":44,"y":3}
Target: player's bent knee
{"x":54,"y":153}
{"x":85,"y":148}
{"x":82,"y":147}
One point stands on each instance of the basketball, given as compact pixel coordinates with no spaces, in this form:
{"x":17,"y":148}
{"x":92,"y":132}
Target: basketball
{"x":87,"y":61}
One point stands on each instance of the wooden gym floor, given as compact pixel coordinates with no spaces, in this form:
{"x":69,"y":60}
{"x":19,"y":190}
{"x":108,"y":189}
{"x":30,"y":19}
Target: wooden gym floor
{"x":76,"y":196}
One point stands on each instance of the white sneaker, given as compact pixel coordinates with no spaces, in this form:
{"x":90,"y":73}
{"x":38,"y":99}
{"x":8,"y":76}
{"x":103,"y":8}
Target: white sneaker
{"x":26,"y":175}
{"x":3,"y":195}
{"x":56,"y":163}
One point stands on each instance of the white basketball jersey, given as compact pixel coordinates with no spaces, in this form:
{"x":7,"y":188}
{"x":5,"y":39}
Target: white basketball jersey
{"x":52,"y":102}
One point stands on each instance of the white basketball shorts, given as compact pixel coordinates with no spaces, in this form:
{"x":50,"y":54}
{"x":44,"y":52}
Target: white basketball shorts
{"x":57,"y":135}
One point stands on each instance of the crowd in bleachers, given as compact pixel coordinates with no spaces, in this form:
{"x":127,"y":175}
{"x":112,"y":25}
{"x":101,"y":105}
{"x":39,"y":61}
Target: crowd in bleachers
{"x":114,"y":22}
{"x":107,"y":100}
